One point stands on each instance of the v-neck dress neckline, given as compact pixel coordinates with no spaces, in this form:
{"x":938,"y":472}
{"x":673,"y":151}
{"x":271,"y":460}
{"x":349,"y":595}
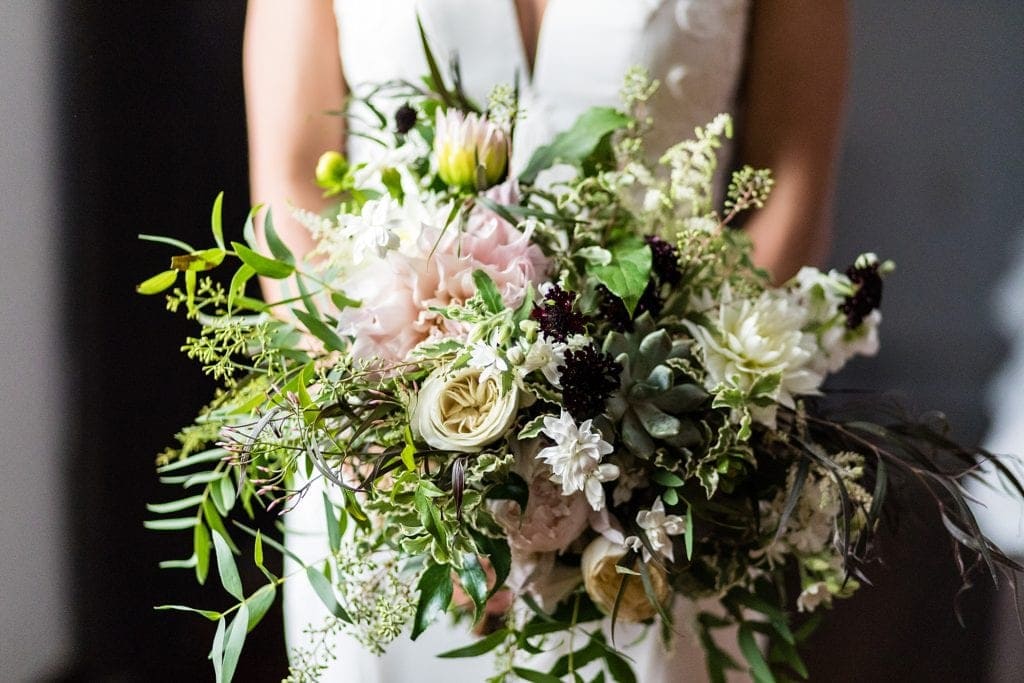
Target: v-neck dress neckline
{"x":529,"y":61}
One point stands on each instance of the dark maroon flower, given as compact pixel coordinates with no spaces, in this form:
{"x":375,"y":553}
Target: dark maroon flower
{"x":664,"y":260}
{"x":866,"y":298}
{"x":588,"y":378}
{"x":558,"y":320}
{"x":613,"y":311}
{"x":405,"y":119}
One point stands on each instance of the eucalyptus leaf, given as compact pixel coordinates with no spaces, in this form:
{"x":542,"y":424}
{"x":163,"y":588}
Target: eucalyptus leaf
{"x":322,"y":587}
{"x":172,"y":524}
{"x":157,"y":283}
{"x":208,"y":613}
{"x":278,"y":248}
{"x":259,"y":604}
{"x":234,"y":641}
{"x":216,"y":220}
{"x":201,"y":549}
{"x":226,"y":567}
{"x":320,"y":330}
{"x":261,"y":264}
{"x":175,"y":505}
{"x":217,"y":650}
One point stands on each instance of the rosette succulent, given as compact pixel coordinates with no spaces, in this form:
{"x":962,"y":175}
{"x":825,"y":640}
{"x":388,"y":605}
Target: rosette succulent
{"x":654,"y":394}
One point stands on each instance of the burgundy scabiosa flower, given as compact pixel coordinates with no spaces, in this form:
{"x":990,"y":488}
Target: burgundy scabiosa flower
{"x":558,"y":321}
{"x":866,"y":298}
{"x":664,"y":260}
{"x":588,"y":378}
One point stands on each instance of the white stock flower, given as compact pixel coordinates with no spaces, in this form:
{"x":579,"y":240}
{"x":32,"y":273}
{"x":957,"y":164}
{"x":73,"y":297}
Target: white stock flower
{"x":545,"y":355}
{"x":486,"y":358}
{"x":575,"y":459}
{"x":657,"y":526}
{"x":374,"y":229}
{"x":751,"y":339}
{"x":462,"y":411}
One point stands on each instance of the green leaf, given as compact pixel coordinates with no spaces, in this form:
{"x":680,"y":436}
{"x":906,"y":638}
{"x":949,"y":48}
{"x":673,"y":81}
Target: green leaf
{"x":488,"y":291}
{"x":172,"y":524}
{"x":259,"y":604}
{"x":575,"y":145}
{"x":238,"y":280}
{"x":748,"y":646}
{"x":535,"y":676}
{"x":500,"y":555}
{"x":392,"y":181}
{"x":333,"y":530}
{"x":217,"y":651}
{"x":319,"y":329}
{"x":435,"y":589}
{"x":532,"y":428}
{"x":234,"y":641}
{"x":205,"y":456}
{"x":208,"y":613}
{"x":261,"y":264}
{"x":184,"y":246}
{"x":257,"y":551}
{"x":197,"y":261}
{"x":480,"y":647}
{"x":216,"y":220}
{"x":226,"y":567}
{"x":688,"y":540}
{"x":618,"y":667}
{"x":222,"y":492}
{"x":322,"y":587}
{"x":666,"y":478}
{"x":474,"y":582}
{"x":409,"y":451}
{"x":157,"y":283}
{"x":514,"y":488}
{"x":175,"y":505}
{"x":628,"y":273}
{"x":201,"y":549}
{"x":436,"y":80}
{"x":343,"y":302}
{"x":280,"y":251}
{"x":188,"y":563}
{"x":249,"y":229}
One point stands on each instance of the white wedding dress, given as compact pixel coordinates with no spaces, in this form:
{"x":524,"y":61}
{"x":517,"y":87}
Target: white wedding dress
{"x":695,"y":48}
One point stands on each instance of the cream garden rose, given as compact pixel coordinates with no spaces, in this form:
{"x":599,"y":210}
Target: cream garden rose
{"x":462,"y":410}
{"x":602,"y":582}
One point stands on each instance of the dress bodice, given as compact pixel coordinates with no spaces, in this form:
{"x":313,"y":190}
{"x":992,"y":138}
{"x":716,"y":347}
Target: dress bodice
{"x":694,"y":48}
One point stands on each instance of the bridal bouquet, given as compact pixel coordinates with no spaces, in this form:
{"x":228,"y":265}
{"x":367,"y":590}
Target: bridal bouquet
{"x":567,"y":388}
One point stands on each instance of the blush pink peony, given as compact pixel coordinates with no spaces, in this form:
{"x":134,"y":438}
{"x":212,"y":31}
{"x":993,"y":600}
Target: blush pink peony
{"x":397,"y":296}
{"x":551,"y":522}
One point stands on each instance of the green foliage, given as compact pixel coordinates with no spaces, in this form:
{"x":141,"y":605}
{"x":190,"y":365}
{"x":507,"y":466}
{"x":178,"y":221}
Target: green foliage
{"x":581,"y":144}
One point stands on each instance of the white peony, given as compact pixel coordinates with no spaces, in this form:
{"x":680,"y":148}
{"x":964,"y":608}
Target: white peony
{"x":462,"y":411}
{"x":575,"y":459}
{"x":751,"y":339}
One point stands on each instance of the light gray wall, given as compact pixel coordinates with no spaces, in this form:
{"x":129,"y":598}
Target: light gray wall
{"x":35,"y":615}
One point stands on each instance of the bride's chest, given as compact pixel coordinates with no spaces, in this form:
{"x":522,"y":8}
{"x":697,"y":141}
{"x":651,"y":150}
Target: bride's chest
{"x":579,"y":43}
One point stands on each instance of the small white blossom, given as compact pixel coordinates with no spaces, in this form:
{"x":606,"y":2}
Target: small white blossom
{"x":375,"y":229}
{"x":814,"y":595}
{"x":543,"y":354}
{"x":575,"y":459}
{"x":487,"y":359}
{"x":657,"y":527}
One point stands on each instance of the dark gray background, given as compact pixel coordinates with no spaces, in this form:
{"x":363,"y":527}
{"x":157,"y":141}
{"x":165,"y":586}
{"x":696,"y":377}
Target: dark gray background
{"x":120,"y":118}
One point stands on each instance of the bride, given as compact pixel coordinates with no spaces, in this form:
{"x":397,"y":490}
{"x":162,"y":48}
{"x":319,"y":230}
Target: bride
{"x":778,"y":67}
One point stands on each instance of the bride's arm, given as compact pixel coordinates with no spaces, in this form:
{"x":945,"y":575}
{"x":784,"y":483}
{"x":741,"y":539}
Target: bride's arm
{"x":292,"y":76}
{"x":792,"y":111}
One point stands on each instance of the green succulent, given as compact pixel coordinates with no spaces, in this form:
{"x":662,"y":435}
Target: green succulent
{"x":654,"y":397}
